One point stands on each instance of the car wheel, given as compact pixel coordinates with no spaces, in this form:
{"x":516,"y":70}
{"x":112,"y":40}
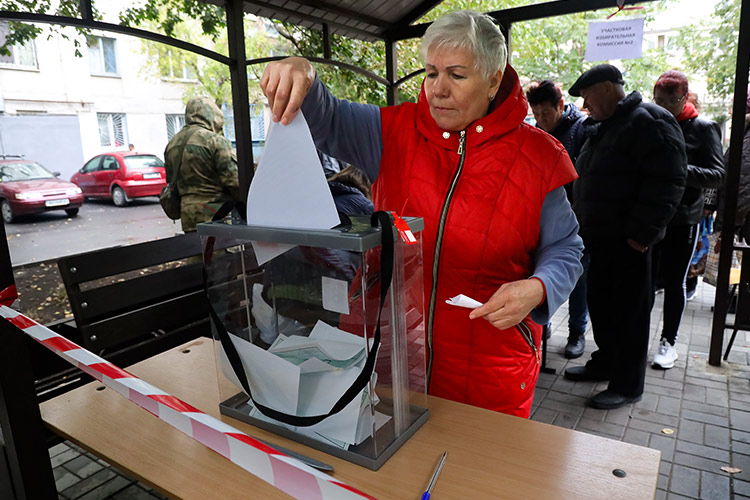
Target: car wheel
{"x":118,"y":196}
{"x":72,"y":212}
{"x":8,"y":216}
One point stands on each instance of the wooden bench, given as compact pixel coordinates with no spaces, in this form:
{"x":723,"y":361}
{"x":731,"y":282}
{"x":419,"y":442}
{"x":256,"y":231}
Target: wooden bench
{"x":129,"y":303}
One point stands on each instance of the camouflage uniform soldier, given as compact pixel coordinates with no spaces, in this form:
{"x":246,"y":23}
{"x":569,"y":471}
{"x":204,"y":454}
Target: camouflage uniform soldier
{"x":207,"y":163}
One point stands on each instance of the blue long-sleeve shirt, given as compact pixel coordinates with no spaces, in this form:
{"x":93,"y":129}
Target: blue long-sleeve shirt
{"x":352,"y":132}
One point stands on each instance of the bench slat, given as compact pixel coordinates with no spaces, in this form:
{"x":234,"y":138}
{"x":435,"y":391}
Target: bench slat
{"x":119,"y":298}
{"x":112,"y":261}
{"x":165,"y":316}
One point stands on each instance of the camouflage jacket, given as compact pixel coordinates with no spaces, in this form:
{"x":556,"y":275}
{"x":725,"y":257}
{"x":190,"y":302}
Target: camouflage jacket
{"x":207,"y":164}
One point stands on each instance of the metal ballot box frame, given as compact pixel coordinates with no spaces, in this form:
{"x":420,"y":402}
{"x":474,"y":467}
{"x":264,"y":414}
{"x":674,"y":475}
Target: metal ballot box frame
{"x":295,"y":315}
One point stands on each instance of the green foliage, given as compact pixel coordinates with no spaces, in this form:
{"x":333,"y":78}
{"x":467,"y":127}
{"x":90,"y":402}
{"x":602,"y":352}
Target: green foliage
{"x":167,"y":15}
{"x":552,"y":48}
{"x":21,"y":33}
{"x":555,"y":48}
{"x":547,"y":48}
{"x":342,"y":82}
{"x":210,"y":78}
{"x":710,"y":48}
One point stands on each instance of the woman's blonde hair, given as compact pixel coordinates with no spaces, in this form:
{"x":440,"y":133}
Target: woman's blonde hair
{"x":470,"y":30}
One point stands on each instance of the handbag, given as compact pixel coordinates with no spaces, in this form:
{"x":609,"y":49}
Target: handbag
{"x":711,"y":275}
{"x":170,"y":197}
{"x":171,"y":201}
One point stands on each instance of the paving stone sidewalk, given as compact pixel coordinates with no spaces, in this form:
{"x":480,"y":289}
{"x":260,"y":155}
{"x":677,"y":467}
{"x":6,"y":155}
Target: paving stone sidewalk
{"x":708,"y":409}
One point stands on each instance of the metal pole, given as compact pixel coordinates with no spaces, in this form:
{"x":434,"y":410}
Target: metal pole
{"x":391,"y":72}
{"x":87,"y":11}
{"x":732,"y":183}
{"x":240,"y":99}
{"x":23,"y":443}
{"x":326,"y":41}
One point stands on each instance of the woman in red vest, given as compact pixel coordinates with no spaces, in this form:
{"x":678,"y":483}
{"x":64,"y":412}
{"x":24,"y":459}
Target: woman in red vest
{"x":498,"y":226}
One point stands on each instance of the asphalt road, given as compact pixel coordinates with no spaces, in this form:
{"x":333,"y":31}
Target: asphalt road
{"x":99,"y":224}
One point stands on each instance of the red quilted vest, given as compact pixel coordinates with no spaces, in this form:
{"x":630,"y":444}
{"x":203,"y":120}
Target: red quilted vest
{"x":490,"y":233}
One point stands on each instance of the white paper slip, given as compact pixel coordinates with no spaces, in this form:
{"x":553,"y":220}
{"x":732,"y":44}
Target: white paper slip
{"x":273,"y":380}
{"x":335,"y":295}
{"x":289,"y":189}
{"x":462,"y":300}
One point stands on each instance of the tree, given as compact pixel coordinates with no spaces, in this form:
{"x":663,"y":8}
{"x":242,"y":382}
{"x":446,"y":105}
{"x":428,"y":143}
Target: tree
{"x":710,"y":48}
{"x":343,"y":83}
{"x":547,"y":48}
{"x":212,"y":78}
{"x":20,"y":33}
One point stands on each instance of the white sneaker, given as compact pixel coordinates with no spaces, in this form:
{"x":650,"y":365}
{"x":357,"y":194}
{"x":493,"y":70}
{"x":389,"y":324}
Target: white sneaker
{"x":665,"y":355}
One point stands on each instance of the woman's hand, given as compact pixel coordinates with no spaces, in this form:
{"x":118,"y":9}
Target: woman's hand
{"x":717,"y":246}
{"x":286,"y":84}
{"x":511,"y":303}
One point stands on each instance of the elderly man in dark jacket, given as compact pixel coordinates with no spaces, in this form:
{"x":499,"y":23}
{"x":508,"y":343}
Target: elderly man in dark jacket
{"x":632,"y":176}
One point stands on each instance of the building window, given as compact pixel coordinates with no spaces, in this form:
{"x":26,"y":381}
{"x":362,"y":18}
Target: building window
{"x":177,"y":65}
{"x":20,"y":55}
{"x":174,"y":125}
{"x":113,"y":130}
{"x":102,"y":55}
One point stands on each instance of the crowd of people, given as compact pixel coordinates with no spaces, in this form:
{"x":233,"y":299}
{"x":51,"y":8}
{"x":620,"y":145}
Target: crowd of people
{"x":594,"y":204}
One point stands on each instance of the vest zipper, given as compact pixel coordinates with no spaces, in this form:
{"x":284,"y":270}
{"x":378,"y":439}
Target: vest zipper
{"x":438,"y":244}
{"x":529,"y":338}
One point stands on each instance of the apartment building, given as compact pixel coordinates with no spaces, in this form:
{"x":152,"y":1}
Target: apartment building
{"x":60,"y":108}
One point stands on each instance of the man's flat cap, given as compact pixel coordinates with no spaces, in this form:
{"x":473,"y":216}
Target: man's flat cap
{"x":597,"y":74}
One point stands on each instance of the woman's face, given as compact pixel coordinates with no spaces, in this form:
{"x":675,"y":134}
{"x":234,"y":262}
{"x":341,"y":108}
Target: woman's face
{"x":456,"y":91}
{"x":674,"y":102}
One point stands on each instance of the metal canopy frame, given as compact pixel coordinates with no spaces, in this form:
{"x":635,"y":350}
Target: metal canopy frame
{"x":25,"y":470}
{"x":373,"y":23}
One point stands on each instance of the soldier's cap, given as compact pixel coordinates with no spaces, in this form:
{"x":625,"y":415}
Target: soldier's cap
{"x":597,"y":74}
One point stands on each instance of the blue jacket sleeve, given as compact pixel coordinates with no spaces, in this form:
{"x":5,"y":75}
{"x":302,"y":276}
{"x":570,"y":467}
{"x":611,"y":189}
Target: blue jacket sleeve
{"x":558,"y":255}
{"x":346,"y":130}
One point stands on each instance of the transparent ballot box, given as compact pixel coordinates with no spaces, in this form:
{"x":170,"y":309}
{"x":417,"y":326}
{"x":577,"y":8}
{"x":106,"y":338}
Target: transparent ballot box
{"x":295,"y":319}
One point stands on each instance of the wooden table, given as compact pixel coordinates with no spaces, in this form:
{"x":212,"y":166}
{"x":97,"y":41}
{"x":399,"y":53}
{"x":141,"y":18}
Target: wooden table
{"x":490,"y":455}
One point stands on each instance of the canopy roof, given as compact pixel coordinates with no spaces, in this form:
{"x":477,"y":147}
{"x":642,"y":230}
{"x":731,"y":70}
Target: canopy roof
{"x":369,"y":20}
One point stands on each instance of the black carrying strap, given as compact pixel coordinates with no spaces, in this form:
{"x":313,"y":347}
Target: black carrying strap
{"x":385,"y":221}
{"x":182,"y":152}
{"x":227,"y":207}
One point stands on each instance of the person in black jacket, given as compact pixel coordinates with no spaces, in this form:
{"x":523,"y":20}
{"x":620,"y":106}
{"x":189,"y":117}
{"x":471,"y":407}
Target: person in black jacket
{"x":705,"y":169}
{"x":566,"y":123}
{"x":632,"y":176}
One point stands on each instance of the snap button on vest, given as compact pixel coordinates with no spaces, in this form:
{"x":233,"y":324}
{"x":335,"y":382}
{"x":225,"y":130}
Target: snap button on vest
{"x":446,"y":135}
{"x":480,"y":129}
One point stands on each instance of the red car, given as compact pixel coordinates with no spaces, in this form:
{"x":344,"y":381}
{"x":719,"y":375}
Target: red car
{"x":26,"y":187}
{"x":122,"y":176}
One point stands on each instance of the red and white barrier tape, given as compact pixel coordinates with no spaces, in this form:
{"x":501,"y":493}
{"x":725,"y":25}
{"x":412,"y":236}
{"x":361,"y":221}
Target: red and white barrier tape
{"x":285,"y":473}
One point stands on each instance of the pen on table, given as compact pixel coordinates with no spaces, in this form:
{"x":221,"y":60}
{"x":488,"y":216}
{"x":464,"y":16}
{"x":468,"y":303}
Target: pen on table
{"x":434,"y":478}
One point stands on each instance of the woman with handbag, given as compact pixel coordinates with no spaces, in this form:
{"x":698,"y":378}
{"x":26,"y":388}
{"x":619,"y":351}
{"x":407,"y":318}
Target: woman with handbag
{"x":705,"y":169}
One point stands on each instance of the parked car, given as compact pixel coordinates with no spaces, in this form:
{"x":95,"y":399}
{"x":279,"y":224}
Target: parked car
{"x":26,"y":187}
{"x":122,"y":176}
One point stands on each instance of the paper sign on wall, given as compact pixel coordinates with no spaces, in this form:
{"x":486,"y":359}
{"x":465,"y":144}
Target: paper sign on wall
{"x":615,"y":40}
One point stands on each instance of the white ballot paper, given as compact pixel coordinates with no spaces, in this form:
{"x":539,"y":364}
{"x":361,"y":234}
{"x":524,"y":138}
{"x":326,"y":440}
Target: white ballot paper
{"x":273,"y":381}
{"x":289,"y":188}
{"x":310,"y":373}
{"x":462,"y":300}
